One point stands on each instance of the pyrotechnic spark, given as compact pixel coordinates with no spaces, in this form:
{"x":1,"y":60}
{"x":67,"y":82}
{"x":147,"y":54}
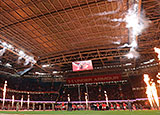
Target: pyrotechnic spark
{"x":158,"y":76}
{"x":4,"y":93}
{"x":136,"y":24}
{"x":12,"y":100}
{"x":132,"y":45}
{"x":155,"y":95}
{"x":157,"y":50}
{"x":132,"y":54}
{"x":110,"y":12}
{"x":22,"y":101}
{"x":151,"y":91}
{"x":28,"y":101}
{"x":117,"y":42}
{"x":105,"y":93}
{"x":69,"y":98}
{"x":86,"y":98}
{"x":111,"y":26}
{"x":118,"y":20}
{"x":148,"y":91}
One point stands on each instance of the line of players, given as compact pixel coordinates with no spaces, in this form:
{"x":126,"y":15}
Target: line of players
{"x":99,"y":106}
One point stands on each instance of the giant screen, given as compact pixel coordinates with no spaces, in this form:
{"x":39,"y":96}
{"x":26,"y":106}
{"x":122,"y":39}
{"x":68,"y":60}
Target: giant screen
{"x":82,"y":65}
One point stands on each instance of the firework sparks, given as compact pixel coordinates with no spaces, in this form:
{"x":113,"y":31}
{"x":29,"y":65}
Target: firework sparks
{"x":155,"y":95}
{"x":28,"y":101}
{"x":105,"y":93}
{"x":69,"y":98}
{"x":157,"y":50}
{"x":148,"y":91}
{"x":86,"y":98}
{"x":110,"y":12}
{"x":132,"y":54}
{"x":158,"y":76}
{"x":22,"y":101}
{"x":12,"y":101}
{"x":4,"y":93}
{"x":136,"y":23}
{"x":151,"y":91}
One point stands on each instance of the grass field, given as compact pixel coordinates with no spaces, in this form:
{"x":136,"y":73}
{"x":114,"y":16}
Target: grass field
{"x":144,"y":112}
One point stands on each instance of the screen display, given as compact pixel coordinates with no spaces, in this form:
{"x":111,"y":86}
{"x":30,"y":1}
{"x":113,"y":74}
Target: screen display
{"x":82,"y":65}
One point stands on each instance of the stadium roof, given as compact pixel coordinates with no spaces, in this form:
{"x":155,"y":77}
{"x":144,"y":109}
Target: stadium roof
{"x":58,"y":32}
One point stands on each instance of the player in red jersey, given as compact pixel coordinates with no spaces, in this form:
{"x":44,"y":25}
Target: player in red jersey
{"x":75,"y":107}
{"x":72,"y":106}
{"x":134,"y":107}
{"x":63,"y":107}
{"x":124,"y":106}
{"x":118,"y":106}
{"x":78,"y":107}
{"x":104,"y":106}
{"x":97,"y":106}
{"x":112,"y":108}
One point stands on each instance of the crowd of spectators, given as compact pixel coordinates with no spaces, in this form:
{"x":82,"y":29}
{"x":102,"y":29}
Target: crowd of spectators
{"x":77,"y":92}
{"x":30,"y":85}
{"x":95,"y":92}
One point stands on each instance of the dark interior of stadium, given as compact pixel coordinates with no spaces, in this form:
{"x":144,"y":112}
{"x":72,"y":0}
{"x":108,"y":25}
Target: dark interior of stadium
{"x":41,"y":41}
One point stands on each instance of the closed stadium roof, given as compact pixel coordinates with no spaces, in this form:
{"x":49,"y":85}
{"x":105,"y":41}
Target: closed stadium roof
{"x":58,"y":32}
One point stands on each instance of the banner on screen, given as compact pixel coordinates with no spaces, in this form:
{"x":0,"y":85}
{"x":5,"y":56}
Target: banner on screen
{"x":93,"y":79}
{"x":82,"y":65}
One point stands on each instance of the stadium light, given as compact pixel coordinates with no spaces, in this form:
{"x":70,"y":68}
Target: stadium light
{"x":18,"y":52}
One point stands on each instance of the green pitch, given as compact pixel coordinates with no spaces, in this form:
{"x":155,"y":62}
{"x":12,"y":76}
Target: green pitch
{"x":144,"y":112}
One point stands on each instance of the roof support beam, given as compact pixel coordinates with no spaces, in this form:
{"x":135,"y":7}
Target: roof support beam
{"x":85,"y":4}
{"x":100,"y":57}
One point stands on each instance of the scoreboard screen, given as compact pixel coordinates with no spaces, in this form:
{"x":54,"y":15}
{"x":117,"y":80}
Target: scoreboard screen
{"x":82,"y":65}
